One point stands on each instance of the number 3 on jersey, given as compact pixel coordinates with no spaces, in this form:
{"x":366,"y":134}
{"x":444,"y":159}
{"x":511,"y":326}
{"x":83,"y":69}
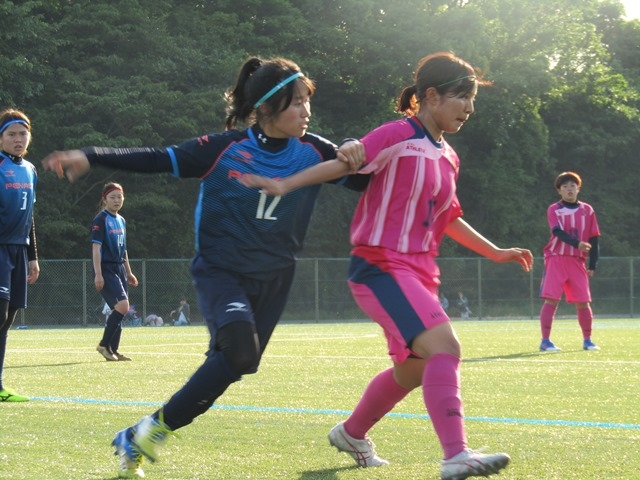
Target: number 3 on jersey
{"x":267,"y":213}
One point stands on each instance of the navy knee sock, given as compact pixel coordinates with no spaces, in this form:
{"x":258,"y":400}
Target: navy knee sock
{"x":113,"y":324}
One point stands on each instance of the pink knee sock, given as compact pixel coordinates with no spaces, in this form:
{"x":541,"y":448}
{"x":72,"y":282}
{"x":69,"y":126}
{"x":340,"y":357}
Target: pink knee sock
{"x":547,"y":312}
{"x":585,"y":319}
{"x":380,"y":396}
{"x":441,"y":391}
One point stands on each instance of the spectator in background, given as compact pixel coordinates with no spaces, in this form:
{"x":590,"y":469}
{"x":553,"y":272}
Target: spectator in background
{"x":182,"y":314}
{"x":106,"y":311}
{"x":153,"y":320}
{"x":132,"y":318}
{"x":463,"y":305}
{"x":444,"y":301}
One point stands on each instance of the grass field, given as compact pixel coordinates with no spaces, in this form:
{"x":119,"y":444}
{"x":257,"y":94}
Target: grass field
{"x":566,"y":415}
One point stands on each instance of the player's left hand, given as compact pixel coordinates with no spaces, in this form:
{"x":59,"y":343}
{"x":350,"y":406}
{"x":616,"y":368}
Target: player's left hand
{"x":520,"y":255}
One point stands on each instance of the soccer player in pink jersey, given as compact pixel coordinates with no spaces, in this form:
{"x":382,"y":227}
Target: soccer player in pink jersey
{"x":574,"y":243}
{"x":410,"y":203}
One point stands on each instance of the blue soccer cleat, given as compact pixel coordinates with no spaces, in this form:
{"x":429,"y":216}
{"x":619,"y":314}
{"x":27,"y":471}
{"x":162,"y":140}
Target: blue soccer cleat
{"x":589,"y":345}
{"x":130,"y":458}
{"x":547,"y":346}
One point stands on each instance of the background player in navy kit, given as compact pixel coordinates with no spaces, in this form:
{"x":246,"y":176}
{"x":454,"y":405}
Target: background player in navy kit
{"x":111,"y":267}
{"x":18,"y":252}
{"x":246,"y":241}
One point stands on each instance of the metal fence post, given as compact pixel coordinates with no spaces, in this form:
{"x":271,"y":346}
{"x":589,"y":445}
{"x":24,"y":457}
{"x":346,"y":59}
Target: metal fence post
{"x":531,"y":294}
{"x":144,"y":290}
{"x":316,"y":275}
{"x":479,"y":288}
{"x":84,"y":293}
{"x":631,"y":289}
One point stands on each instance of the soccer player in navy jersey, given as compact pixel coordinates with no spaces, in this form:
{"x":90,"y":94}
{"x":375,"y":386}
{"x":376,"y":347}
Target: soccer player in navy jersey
{"x":246,"y":241}
{"x":18,"y":252}
{"x":570,"y":259}
{"x":112,"y":272}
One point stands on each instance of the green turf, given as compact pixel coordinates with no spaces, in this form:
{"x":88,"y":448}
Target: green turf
{"x":566,"y":415}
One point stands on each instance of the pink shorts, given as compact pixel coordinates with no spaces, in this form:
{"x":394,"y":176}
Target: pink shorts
{"x":399,"y":292}
{"x":568,"y":275}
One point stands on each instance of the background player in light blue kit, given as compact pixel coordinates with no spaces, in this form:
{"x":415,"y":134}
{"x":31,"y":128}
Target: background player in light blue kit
{"x":246,"y":241}
{"x":18,"y":252}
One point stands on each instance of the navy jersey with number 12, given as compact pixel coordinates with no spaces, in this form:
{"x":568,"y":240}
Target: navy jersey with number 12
{"x":237,"y":228}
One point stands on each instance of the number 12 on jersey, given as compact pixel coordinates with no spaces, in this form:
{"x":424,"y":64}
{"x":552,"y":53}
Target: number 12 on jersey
{"x":265,"y":212}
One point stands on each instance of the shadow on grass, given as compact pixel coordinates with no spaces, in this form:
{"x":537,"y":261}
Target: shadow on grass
{"x":325,"y":473}
{"x":47,"y":365}
{"x":511,"y":356}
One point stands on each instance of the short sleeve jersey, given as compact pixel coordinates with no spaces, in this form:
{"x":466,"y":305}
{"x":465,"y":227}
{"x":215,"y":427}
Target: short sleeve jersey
{"x":17,"y":198}
{"x":110,"y":231}
{"x":580,"y":223}
{"x":411,"y":197}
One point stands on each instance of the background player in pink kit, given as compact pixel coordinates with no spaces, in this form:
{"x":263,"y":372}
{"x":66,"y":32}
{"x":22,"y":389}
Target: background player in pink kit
{"x":574,"y":236}
{"x":409,"y":204}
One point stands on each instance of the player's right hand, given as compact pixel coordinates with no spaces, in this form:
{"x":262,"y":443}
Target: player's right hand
{"x":352,"y":153}
{"x":72,"y":164}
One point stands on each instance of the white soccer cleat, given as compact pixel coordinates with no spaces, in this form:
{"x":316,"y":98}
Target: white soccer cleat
{"x":106,"y":353}
{"x":470,"y":463}
{"x":362,"y":451}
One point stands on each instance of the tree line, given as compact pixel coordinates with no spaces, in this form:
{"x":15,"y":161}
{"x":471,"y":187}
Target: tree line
{"x":565,"y":96}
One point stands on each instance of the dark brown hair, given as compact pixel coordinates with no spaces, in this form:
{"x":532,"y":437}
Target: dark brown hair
{"x":11,"y":114}
{"x":565,"y":177}
{"x":445,"y":72}
{"x":108,"y":187}
{"x":255,"y":79}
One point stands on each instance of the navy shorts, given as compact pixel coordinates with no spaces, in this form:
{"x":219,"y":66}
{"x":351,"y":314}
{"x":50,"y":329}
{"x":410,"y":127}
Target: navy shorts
{"x":14,"y":266}
{"x":115,"y":283}
{"x":225,"y":297}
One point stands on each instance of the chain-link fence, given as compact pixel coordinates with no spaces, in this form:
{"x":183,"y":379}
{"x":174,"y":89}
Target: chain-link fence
{"x":65,"y":296}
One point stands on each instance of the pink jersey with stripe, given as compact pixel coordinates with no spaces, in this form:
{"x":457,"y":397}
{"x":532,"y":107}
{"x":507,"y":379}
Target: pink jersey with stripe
{"x":578,"y":222}
{"x":411,"y":197}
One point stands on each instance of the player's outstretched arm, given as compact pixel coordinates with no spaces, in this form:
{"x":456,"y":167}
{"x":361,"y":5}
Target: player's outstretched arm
{"x":349,"y":157}
{"x":320,"y":173}
{"x":72,"y":164}
{"x":465,"y":235}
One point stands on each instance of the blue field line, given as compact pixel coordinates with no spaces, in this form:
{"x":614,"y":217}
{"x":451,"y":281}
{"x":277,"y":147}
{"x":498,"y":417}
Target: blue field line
{"x":523,"y":421}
